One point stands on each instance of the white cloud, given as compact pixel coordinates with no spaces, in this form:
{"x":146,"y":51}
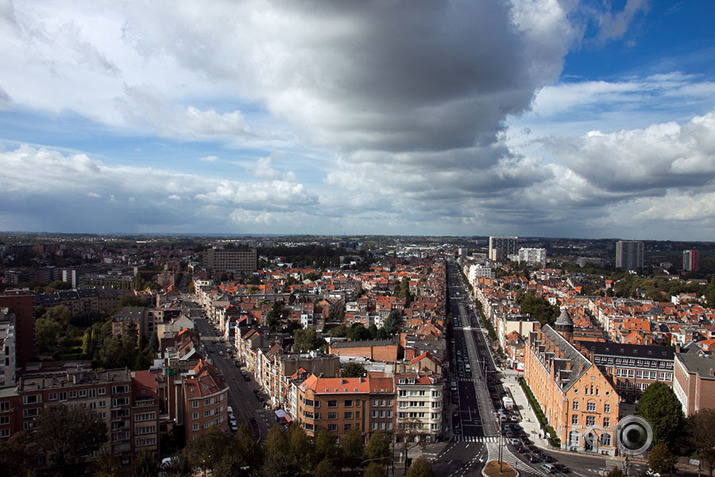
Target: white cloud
{"x":208,"y":159}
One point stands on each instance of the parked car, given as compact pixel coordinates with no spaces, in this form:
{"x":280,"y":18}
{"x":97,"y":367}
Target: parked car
{"x":548,"y":468}
{"x":546,"y":457}
{"x":534,"y":459}
{"x":562,"y":468}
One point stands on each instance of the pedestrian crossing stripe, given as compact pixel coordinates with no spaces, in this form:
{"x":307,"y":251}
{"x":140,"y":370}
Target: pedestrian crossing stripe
{"x":492,"y":439}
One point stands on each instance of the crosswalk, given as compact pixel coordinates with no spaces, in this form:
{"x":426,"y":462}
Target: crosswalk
{"x":492,"y":439}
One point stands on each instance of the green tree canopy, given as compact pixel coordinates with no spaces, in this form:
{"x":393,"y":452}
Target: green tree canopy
{"x":420,"y":468}
{"x":375,"y":469}
{"x":377,"y":447}
{"x":208,"y":448}
{"x":393,"y":322}
{"x":67,"y":435}
{"x":358,"y":332}
{"x":306,"y":339}
{"x":300,"y":446}
{"x":700,"y":429}
{"x":353,"y":448}
{"x":660,"y":407}
{"x":661,"y":460}
{"x":353,"y":369}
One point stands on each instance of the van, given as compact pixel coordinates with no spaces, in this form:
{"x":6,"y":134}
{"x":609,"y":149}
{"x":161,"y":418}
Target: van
{"x":548,"y":468}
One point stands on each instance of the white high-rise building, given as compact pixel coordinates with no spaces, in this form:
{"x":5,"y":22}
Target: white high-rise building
{"x":533,"y":256}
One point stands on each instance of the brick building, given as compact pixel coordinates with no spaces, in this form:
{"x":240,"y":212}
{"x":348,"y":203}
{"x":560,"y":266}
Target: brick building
{"x":694,"y":382}
{"x":376,"y":350}
{"x":578,"y":400}
{"x":205,"y":400}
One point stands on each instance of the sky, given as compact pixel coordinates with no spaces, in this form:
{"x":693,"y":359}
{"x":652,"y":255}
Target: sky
{"x":558,"y":118}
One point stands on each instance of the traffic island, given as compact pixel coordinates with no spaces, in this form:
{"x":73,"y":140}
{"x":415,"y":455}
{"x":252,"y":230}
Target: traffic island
{"x":497,"y":468}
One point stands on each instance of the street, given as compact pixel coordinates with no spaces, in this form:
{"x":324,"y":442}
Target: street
{"x":246,"y":406}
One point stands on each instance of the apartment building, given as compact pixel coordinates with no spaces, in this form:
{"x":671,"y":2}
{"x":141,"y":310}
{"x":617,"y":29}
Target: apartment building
{"x":694,"y":383}
{"x":419,"y":405}
{"x":338,"y":404}
{"x":632,"y":367}
{"x":205,"y":400}
{"x":501,"y":247}
{"x":533,"y":256}
{"x":578,"y":400}
{"x":242,"y":259}
{"x":629,"y":254}
{"x":8,"y":343}
{"x":111,"y":393}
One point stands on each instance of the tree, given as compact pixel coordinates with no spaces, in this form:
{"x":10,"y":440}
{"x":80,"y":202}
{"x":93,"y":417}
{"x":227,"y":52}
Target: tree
{"x":208,"y":448}
{"x":47,"y":333}
{"x":661,"y":460}
{"x":377,"y":447}
{"x":375,"y":469}
{"x":67,"y":435}
{"x":246,"y":446}
{"x":279,"y":465}
{"x":325,"y":468}
{"x":420,"y":468}
{"x":107,"y":465}
{"x":178,"y":466}
{"x":299,"y":446}
{"x":306,"y":339}
{"x":275,"y":317}
{"x":660,"y":407}
{"x":615,"y":472}
{"x":276,"y":442}
{"x":700,"y":428}
{"x":353,"y":448}
{"x":358,"y":332}
{"x":324,"y":447}
{"x":393,"y":322}
{"x":353,"y":369}
{"x":18,"y":455}
{"x":340,"y":331}
{"x":145,"y":464}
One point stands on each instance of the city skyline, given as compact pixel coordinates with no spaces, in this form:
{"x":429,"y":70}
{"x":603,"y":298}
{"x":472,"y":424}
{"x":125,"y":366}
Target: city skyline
{"x":573,"y":119}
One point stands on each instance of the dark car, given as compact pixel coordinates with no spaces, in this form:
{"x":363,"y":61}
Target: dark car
{"x":533,"y":448}
{"x":562,"y":468}
{"x":546,"y":457}
{"x":520,"y":450}
{"x":526,"y":441}
{"x":534,"y":459}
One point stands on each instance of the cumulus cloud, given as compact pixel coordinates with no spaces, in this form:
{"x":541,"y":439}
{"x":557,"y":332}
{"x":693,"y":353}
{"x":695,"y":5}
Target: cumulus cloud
{"x":208,"y":159}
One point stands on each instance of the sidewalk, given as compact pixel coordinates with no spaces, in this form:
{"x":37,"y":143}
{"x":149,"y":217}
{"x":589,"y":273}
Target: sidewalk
{"x":529,"y":422}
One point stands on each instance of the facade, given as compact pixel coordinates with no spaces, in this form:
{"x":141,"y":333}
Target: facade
{"x":231,"y":259}
{"x":477,"y":270}
{"x":691,"y":260}
{"x":376,"y":350}
{"x":501,"y":247}
{"x":694,"y":382}
{"x":629,"y":254}
{"x":338,"y":404}
{"x":22,"y":307}
{"x":419,"y":406}
{"x":7,"y":348}
{"x":578,"y":400}
{"x":533,"y":256}
{"x":632,"y":367}
{"x":205,"y":400}
{"x":110,"y":393}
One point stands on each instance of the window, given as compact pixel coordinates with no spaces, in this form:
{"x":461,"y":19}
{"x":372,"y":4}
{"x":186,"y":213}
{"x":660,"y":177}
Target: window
{"x":348,"y":415}
{"x":402,"y":393}
{"x":194,"y":415}
{"x":347,"y":427}
{"x":606,"y":408}
{"x":332,"y":403}
{"x":606,"y":422}
{"x":27,"y":413}
{"x":333,"y":427}
{"x":575,"y":405}
{"x":194,"y":404}
{"x":332,"y":415}
{"x":357,"y":415}
{"x":574,"y":419}
{"x":63,"y":396}
{"x":591,"y":406}
{"x":121,"y":389}
{"x":590,"y":420}
{"x":52,"y":397}
{"x":82,"y":393}
{"x":101,"y":391}
{"x":605,"y":439}
{"x":348,"y":403}
{"x":92,"y":393}
{"x":73,"y":394}
{"x":195,"y":427}
{"x":31,"y":399}
{"x":4,"y":432}
{"x":5,"y":420}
